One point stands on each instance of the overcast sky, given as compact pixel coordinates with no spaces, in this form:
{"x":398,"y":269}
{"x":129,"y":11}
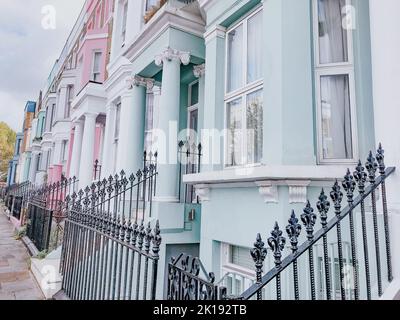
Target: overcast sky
{"x":28,"y":50}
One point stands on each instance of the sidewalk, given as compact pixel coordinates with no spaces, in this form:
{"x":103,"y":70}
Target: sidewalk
{"x":16,"y":280}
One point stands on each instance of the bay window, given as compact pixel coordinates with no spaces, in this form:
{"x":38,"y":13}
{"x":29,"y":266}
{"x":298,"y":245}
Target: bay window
{"x":335,"y":85}
{"x":244,"y":92}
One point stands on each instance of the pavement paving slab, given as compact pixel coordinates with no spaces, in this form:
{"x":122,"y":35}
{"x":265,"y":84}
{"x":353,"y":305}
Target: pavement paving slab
{"x":16,"y":279}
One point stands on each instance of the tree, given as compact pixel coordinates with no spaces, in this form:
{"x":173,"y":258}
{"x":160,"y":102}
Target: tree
{"x":7,"y":143}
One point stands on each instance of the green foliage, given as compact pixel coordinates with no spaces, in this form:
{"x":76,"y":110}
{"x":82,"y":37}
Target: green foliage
{"x":7,"y":143}
{"x":21,"y":233}
{"x":42,"y":255}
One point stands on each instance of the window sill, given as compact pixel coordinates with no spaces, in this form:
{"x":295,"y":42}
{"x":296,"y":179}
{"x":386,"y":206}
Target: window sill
{"x":277,"y":174}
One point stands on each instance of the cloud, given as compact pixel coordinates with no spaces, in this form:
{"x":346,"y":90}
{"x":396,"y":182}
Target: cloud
{"x":28,"y":51}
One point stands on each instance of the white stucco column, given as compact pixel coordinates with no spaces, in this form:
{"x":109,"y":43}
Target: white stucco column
{"x":33,"y":168}
{"x":385,"y":42}
{"x":86,"y":162}
{"x":130,"y":144}
{"x":76,"y":149}
{"x":108,"y":153}
{"x":171,"y":61}
{"x":213,"y":149}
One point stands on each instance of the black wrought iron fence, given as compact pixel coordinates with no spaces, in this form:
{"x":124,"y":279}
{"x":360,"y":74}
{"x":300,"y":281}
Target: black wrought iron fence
{"x":3,"y":192}
{"x":186,"y":283}
{"x":189,"y":157}
{"x":46,"y":213}
{"x":329,"y":263}
{"x":109,"y":252}
{"x":150,"y":158}
{"x":16,"y":199}
{"x":97,"y":170}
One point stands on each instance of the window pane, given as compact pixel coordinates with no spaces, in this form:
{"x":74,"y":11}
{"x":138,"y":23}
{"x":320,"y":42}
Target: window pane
{"x":241,"y":257}
{"x":235,"y":133}
{"x":254,"y":54}
{"x":336,"y":117}
{"x":96,"y":63}
{"x":150,"y":3}
{"x":254,"y":115}
{"x":149,"y":112}
{"x":332,"y":36}
{"x":235,"y":59}
{"x":194,"y":96}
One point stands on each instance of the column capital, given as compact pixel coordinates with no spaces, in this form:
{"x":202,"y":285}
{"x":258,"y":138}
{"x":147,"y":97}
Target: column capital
{"x":171,"y":54}
{"x":77,"y":122}
{"x":199,"y":71}
{"x":136,"y":81}
{"x":111,"y":107}
{"x":90,"y":115}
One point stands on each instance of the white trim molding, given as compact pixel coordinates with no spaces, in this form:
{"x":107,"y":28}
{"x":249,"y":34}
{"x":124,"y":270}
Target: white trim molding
{"x":203,"y":192}
{"x":215,"y":32}
{"x":268,"y":190}
{"x":170,"y":54}
{"x":298,"y":190}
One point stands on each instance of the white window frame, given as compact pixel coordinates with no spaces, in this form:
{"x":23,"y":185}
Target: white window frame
{"x":191,"y":108}
{"x":69,"y":99}
{"x":151,"y":131}
{"x":244,"y":91}
{"x":334,"y":69}
{"x":228,"y":267}
{"x":124,"y":5}
{"x":64,"y":151}
{"x":92,"y":76}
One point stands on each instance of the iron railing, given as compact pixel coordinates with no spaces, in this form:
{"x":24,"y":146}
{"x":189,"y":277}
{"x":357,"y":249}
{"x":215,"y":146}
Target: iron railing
{"x":109,"y":252}
{"x":185,"y":282}
{"x":189,"y":157}
{"x":46,"y":213}
{"x":97,"y":170}
{"x":320,"y":268}
{"x":16,"y":199}
{"x":150,"y":158}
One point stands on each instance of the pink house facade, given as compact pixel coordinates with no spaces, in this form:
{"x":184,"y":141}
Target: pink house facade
{"x":88,"y":106}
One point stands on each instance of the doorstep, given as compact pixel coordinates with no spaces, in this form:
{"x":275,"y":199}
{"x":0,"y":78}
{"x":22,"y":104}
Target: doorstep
{"x":46,"y":272}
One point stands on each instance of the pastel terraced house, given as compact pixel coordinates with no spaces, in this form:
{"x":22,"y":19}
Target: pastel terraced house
{"x":246,"y":109}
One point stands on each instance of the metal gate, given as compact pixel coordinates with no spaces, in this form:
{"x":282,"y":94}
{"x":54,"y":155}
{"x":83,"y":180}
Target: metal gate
{"x":39,"y":225}
{"x":45,"y":213}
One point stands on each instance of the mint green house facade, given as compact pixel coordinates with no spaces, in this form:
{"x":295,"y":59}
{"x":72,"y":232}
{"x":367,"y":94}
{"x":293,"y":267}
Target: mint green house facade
{"x":310,"y":90}
{"x":278,"y":93}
